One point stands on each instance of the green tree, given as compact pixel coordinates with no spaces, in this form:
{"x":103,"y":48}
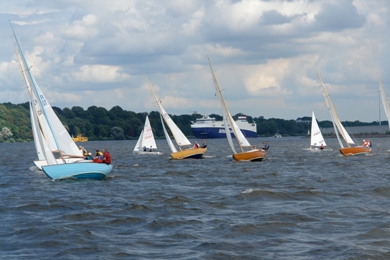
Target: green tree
{"x":116,"y":133}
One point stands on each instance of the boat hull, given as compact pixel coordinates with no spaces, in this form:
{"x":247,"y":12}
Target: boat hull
{"x":253,"y":155}
{"x":218,"y":132}
{"x":97,"y":171}
{"x":40,"y":163}
{"x":191,"y":153}
{"x":318,"y":149}
{"x":357,"y":150}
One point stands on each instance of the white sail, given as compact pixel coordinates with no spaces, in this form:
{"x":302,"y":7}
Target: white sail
{"x":345,"y":134}
{"x":34,"y":129}
{"x":138,"y":145}
{"x":316,"y":138}
{"x":384,"y":101}
{"x":239,"y":135}
{"x":33,"y":118}
{"x":61,"y":136}
{"x":40,"y":119}
{"x":226,"y":121}
{"x":146,"y":138}
{"x":338,"y":127}
{"x":242,"y":141}
{"x":169,"y":141}
{"x":178,"y":135}
{"x":47,"y":152}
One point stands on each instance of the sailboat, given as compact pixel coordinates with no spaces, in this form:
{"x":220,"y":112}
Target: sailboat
{"x":146,"y":142}
{"x":317,"y":141}
{"x":50,"y":135}
{"x":350,"y":150}
{"x":384,"y":101}
{"x":71,"y":148}
{"x":252,"y":155}
{"x":180,"y":139}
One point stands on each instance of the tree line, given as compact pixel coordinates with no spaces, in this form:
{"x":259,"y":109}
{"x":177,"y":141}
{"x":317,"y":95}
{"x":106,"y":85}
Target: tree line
{"x":98,"y":123}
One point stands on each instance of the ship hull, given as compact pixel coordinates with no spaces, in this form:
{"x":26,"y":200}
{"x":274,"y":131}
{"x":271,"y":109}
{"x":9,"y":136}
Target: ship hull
{"x":218,"y":132}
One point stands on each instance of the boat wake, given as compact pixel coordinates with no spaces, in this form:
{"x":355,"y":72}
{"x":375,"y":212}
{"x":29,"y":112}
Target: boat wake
{"x":34,"y":169}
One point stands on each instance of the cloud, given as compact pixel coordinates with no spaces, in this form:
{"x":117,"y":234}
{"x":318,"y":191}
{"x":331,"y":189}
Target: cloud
{"x":263,"y":52}
{"x":340,"y":16}
{"x":100,"y":73}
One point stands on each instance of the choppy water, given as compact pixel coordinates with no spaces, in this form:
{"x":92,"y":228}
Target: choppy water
{"x":296,"y":204}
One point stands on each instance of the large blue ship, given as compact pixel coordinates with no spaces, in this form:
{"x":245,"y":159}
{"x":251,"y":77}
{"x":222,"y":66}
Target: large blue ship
{"x":208,"y":127}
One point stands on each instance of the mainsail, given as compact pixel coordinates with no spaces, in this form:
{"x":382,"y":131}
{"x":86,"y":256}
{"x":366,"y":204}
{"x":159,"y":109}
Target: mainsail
{"x":338,"y":127}
{"x":242,"y":141}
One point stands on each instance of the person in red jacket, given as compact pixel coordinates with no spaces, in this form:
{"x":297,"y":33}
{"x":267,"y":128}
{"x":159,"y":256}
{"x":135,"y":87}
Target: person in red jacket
{"x":106,"y":156}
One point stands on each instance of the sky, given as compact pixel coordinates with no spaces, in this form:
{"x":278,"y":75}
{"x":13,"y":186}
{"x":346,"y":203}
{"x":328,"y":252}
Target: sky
{"x":264,"y":54}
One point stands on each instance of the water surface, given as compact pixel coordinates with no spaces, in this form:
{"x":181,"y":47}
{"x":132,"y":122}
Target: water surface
{"x":295,"y":204}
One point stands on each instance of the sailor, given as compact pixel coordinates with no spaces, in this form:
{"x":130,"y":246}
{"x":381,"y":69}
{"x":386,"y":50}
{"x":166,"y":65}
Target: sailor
{"x":266,"y":146}
{"x":150,"y":149}
{"x":204,"y":145}
{"x":196,"y":145}
{"x":322,"y":146}
{"x":85,"y":152}
{"x":106,"y":156}
{"x":89,"y":156}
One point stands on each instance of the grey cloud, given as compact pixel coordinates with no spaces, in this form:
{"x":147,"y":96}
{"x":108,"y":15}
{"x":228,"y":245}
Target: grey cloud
{"x":274,"y":17}
{"x":339,"y":17}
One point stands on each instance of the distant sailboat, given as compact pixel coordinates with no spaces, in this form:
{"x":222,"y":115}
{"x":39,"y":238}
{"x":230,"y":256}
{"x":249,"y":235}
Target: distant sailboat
{"x":384,"y":101}
{"x":146,"y":142}
{"x":316,"y":139}
{"x":340,"y":130}
{"x":180,"y":138}
{"x":251,"y":155}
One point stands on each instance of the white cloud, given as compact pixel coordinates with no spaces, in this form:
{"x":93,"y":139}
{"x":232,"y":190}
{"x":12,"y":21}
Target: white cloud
{"x":100,"y":73}
{"x":264,"y":53}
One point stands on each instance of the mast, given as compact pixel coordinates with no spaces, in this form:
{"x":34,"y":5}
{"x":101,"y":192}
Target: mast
{"x":225,"y":109}
{"x":40,"y":98}
{"x":335,"y":120}
{"x":384,"y":101}
{"x":380,"y":123}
